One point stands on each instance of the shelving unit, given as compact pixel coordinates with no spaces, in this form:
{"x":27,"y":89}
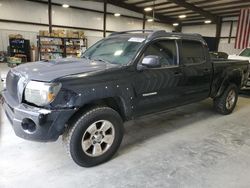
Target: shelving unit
{"x":60,"y":47}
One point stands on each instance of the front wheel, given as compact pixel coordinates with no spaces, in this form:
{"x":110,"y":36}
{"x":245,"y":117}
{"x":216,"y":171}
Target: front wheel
{"x":95,"y":137}
{"x":226,"y":103}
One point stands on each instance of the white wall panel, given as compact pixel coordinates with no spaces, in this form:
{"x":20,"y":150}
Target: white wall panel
{"x":234,"y":29}
{"x":122,"y":23}
{"x":160,"y":26}
{"x":225,"y":29}
{"x":23,"y":11}
{"x":224,"y":46}
{"x":79,"y":3}
{"x":122,"y":11}
{"x":205,"y":30}
{"x":77,"y":18}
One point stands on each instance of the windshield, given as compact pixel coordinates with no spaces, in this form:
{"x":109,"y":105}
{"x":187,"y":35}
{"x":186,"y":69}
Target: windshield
{"x":120,"y":50}
{"x":245,"y":53}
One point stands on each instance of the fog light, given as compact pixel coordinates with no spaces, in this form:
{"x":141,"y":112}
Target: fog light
{"x":28,"y":125}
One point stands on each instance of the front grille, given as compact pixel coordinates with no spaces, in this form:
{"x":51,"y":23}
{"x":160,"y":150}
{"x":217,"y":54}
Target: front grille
{"x":11,"y":84}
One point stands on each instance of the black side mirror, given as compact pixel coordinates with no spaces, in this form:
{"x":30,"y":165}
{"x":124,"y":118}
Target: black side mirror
{"x":151,"y":61}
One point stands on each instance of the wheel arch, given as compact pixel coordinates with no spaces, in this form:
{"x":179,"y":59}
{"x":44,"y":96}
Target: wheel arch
{"x":234,"y":78}
{"x":116,"y":103}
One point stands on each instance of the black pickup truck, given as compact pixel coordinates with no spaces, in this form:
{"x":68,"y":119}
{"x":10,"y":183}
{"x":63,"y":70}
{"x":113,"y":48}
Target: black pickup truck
{"x":121,"y":77}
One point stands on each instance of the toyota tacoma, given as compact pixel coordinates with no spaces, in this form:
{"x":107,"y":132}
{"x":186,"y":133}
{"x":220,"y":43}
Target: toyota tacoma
{"x":121,"y":77}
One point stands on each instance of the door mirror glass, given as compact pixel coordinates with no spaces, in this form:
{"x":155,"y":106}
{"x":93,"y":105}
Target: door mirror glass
{"x":151,"y":61}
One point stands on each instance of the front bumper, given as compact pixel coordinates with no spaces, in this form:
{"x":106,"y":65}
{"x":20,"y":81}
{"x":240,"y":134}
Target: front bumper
{"x":49,"y":124}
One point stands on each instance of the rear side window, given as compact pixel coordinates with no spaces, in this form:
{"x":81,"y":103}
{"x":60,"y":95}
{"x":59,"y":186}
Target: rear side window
{"x":165,"y":49}
{"x":192,"y":52}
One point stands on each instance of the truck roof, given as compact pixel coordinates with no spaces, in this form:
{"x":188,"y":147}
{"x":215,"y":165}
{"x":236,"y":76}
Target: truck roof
{"x":152,"y":34}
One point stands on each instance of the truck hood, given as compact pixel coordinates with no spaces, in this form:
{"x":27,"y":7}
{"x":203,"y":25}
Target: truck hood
{"x":237,"y":57}
{"x":51,"y":70}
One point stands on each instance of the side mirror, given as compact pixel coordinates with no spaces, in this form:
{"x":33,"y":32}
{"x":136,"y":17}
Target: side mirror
{"x":151,"y":61}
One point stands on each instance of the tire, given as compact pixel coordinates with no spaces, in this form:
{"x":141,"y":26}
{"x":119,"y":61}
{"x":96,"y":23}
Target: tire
{"x":230,"y":95}
{"x":88,"y":142}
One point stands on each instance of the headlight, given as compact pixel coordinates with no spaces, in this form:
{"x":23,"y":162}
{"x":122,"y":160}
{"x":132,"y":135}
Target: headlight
{"x":41,"y":93}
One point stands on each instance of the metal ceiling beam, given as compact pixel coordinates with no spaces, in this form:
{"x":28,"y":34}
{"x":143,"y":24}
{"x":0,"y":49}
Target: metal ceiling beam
{"x":165,"y":8}
{"x":192,"y":19}
{"x":229,"y":13}
{"x":190,"y":6}
{"x":178,"y":12}
{"x":162,"y":4}
{"x":140,"y":2}
{"x":229,"y":8}
{"x":205,"y":1}
{"x":207,"y":6}
{"x":239,"y":2}
{"x":187,"y":14}
{"x":162,"y":18}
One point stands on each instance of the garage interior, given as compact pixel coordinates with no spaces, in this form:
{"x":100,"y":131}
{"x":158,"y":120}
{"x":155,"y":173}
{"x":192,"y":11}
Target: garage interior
{"x":188,"y":146}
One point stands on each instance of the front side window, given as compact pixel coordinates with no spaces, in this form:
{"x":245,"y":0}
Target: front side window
{"x":165,"y":50}
{"x":192,"y":52}
{"x":118,"y":50}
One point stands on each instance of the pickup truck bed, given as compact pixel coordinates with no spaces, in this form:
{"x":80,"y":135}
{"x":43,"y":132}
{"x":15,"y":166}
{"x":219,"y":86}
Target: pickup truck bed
{"x":221,"y":70}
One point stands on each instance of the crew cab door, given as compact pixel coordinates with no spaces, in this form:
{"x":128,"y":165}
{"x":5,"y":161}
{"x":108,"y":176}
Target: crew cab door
{"x":197,"y":70}
{"x":158,"y":88}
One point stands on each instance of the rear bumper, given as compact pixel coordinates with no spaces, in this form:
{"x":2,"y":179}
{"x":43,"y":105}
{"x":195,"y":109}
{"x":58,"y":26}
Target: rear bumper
{"x":34,"y":123}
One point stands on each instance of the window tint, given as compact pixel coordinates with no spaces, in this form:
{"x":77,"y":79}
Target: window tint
{"x":245,"y":52}
{"x":192,"y":52}
{"x":165,"y":49}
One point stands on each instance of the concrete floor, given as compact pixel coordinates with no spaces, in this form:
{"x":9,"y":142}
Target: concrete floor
{"x":191,"y":146}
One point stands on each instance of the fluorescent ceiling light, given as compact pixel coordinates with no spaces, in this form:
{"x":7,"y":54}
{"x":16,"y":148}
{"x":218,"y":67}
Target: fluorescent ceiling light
{"x":117,"y":14}
{"x":182,"y":16}
{"x":207,"y":21}
{"x":65,"y":6}
{"x":147,"y":9}
{"x":150,"y":20}
{"x":175,"y":24}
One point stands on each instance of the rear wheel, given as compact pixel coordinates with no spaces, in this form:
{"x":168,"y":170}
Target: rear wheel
{"x":226,"y":103}
{"x":95,"y":137}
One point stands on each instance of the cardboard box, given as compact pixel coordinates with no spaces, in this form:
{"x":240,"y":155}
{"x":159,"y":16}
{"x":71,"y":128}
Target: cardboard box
{"x":16,"y":36}
{"x":81,"y":34}
{"x":41,"y":33}
{"x":75,"y":34}
{"x":46,"y":33}
{"x":70,"y":34}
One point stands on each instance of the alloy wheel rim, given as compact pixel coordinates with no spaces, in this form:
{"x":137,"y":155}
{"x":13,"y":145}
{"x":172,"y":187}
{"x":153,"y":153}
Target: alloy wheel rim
{"x":230,"y":99}
{"x":98,"y":138}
